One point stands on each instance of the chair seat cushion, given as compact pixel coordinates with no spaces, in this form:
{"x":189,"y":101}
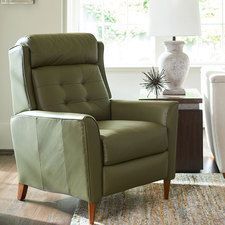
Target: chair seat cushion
{"x":124,"y":140}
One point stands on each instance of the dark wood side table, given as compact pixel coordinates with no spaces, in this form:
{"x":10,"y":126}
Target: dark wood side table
{"x":190,"y":129}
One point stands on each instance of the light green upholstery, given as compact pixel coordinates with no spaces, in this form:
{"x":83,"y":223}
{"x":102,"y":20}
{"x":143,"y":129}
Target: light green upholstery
{"x":68,"y":134}
{"x":120,"y":177}
{"x":161,"y":112}
{"x":80,"y":50}
{"x":56,"y":89}
{"x":136,"y":139}
{"x":53,"y":152}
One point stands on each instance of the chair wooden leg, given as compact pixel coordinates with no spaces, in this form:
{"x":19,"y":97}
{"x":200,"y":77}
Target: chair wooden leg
{"x":91,"y":212}
{"x":224,"y":175}
{"x":22,"y":191}
{"x":166,"y":189}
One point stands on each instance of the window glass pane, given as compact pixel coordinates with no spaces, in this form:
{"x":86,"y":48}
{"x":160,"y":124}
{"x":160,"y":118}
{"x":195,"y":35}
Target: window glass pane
{"x":140,"y":47}
{"x":211,"y":11}
{"x":91,"y":12}
{"x":115,"y":45}
{"x":138,"y":12}
{"x":223,"y":8}
{"x":207,"y":48}
{"x":115,"y":11}
{"x":91,"y":17}
{"x":123,"y":27}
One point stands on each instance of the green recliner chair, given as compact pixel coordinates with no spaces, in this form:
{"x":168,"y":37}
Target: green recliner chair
{"x":70,"y":137}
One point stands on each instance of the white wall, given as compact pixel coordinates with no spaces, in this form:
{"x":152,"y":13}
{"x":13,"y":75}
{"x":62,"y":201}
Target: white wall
{"x":16,"y":21}
{"x":45,"y":16}
{"x":125,"y":83}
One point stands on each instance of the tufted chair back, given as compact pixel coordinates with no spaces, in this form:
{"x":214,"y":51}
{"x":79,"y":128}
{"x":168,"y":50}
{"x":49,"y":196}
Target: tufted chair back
{"x":60,"y":73}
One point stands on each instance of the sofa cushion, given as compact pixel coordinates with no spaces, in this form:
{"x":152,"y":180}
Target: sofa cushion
{"x":125,"y":140}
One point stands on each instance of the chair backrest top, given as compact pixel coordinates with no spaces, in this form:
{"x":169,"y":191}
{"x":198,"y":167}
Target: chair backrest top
{"x":61,"y":49}
{"x":61,"y":73}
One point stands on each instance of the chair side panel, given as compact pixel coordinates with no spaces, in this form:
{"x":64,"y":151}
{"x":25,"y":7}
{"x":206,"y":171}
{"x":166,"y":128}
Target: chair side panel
{"x":21,"y":84}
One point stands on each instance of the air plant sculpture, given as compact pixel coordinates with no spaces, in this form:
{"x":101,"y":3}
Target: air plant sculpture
{"x":154,"y":81}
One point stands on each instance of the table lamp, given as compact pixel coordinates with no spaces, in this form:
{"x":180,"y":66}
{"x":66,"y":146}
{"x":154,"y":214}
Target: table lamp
{"x":174,"y":18}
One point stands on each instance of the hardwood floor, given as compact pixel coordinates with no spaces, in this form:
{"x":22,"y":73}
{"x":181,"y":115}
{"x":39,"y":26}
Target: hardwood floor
{"x":39,"y":208}
{"x":44,"y":208}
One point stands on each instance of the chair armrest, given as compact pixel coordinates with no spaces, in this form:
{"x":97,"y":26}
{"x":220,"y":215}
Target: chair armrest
{"x":162,"y":112}
{"x":152,"y":111}
{"x":59,"y":152}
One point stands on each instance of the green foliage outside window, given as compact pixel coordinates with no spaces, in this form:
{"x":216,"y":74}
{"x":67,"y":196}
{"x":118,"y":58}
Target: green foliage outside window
{"x":106,"y":18}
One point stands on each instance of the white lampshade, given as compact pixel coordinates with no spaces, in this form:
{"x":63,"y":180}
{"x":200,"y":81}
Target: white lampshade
{"x":174,"y":18}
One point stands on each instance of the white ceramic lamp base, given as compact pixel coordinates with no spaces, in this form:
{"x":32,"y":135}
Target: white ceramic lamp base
{"x":176,"y":65}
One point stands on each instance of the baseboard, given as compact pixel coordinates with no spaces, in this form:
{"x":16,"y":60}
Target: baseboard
{"x":6,"y":151}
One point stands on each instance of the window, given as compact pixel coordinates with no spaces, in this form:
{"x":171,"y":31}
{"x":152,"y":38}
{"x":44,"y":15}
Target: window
{"x":209,"y":48}
{"x":123,"y":26}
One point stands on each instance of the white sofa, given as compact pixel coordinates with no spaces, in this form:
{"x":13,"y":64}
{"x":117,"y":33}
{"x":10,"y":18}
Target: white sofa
{"x":213,"y":90}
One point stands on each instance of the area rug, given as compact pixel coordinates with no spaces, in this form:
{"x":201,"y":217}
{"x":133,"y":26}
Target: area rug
{"x":197,"y":199}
